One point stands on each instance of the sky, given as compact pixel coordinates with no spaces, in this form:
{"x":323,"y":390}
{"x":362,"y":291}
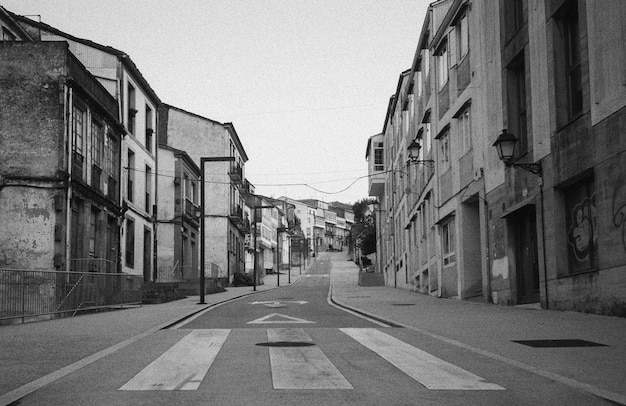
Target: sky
{"x":304,"y":82}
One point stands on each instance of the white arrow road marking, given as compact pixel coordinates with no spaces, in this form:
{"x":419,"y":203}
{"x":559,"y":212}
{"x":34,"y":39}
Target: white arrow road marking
{"x":430,"y":371}
{"x":301,"y":367}
{"x":278,"y":318}
{"x":278,"y":303}
{"x":184,"y":365}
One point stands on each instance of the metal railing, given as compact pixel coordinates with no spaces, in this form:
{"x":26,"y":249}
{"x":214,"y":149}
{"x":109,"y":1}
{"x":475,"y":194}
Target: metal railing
{"x":48,"y":294}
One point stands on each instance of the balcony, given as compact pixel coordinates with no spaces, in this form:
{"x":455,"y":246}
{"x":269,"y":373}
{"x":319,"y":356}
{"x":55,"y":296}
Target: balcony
{"x":236,"y":174}
{"x":377,"y":184}
{"x":246,"y":188}
{"x":189,"y":209}
{"x":236,"y":217}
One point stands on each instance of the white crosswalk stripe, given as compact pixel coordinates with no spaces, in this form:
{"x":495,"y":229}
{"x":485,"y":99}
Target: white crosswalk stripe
{"x":301,"y":367}
{"x":186,"y":363}
{"x":430,"y":371}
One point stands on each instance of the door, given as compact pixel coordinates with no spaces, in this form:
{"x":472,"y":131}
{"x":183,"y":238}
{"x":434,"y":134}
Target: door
{"x":526,"y":262}
{"x":147,"y":254}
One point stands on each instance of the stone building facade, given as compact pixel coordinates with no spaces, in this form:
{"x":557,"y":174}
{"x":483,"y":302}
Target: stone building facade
{"x":547,"y":227}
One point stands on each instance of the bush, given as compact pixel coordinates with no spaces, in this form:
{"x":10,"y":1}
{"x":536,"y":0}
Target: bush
{"x":242,"y":279}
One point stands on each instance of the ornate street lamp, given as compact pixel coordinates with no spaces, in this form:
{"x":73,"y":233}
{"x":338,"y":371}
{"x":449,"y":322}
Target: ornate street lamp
{"x":414,"y":154}
{"x":505,"y":145}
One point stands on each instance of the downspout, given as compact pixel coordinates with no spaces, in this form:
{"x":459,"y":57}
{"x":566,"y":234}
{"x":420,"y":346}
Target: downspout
{"x":120,"y":268}
{"x":67,"y":118}
{"x":155,"y":149}
{"x":487,"y":239}
{"x":543,"y":242}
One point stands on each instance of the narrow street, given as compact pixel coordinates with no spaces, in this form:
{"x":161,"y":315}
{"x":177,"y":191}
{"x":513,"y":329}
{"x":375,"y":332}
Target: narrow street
{"x":292,"y":346}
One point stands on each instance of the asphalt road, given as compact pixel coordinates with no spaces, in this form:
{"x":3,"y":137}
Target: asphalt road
{"x":291,"y":347}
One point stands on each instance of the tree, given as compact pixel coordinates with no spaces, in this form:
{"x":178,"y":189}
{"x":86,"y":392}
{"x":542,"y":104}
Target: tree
{"x":364,"y":229}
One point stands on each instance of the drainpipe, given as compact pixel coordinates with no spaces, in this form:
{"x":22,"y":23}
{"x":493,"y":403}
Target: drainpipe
{"x":68,"y":198}
{"x":487,"y":239}
{"x":543,"y":242}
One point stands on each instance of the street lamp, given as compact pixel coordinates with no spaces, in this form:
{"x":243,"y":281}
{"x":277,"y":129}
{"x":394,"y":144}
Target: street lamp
{"x":505,"y":145}
{"x":204,"y":160}
{"x":414,"y":154}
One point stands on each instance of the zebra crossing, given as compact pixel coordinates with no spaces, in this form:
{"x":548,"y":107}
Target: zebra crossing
{"x":296,"y":362}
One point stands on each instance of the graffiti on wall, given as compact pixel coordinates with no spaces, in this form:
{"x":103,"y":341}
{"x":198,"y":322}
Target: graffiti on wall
{"x":582,"y":235}
{"x":619,"y":209}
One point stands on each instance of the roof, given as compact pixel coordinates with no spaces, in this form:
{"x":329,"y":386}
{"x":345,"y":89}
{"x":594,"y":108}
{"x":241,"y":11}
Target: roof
{"x":9,"y":19}
{"x":121,"y":55}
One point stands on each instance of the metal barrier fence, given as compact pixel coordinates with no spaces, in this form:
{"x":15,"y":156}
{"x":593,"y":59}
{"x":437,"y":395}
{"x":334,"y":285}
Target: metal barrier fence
{"x":47,"y":294}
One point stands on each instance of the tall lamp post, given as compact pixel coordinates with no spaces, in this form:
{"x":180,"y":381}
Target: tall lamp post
{"x":203,"y":161}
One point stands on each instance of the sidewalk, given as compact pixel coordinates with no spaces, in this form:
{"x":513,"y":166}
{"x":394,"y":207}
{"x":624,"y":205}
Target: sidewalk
{"x":34,"y":353}
{"x":490,"y":330}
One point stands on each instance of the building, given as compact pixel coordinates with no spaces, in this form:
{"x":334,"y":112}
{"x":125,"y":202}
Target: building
{"x":456,"y":221}
{"x":178,"y":218}
{"x":556,"y":222}
{"x":137,"y":104}
{"x":219,"y":147}
{"x":60,"y":205}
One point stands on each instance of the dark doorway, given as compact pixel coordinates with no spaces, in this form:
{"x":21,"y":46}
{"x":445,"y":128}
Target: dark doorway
{"x":526,"y":262}
{"x":147,"y":254}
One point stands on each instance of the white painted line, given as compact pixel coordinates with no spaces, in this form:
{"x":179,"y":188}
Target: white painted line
{"x":184,"y":365}
{"x":279,"y":319}
{"x":301,"y":367}
{"x":430,"y":371}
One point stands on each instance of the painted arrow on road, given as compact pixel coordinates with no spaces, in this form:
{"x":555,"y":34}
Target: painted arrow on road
{"x":278,"y":303}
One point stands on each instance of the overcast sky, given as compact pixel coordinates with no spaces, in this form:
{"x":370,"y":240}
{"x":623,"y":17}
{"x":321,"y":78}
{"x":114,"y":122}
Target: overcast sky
{"x":305,"y":83}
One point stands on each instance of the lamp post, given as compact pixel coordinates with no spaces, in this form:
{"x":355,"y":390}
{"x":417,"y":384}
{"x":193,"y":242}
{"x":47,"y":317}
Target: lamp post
{"x":203,"y":161}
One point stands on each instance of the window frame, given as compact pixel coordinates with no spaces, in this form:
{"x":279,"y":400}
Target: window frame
{"x":448,"y":242}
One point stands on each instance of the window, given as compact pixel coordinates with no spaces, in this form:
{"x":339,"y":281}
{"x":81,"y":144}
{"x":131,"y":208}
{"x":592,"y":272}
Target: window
{"x":465,"y":131}
{"x":112,"y":166}
{"x":572,"y":50}
{"x":516,"y":100}
{"x":581,"y":224}
{"x":78,"y":130}
{"x":442,"y":65}
{"x":132,"y":111}
{"x":428,"y":141}
{"x":94,"y":232}
{"x":514,"y":17}
{"x":425,"y":63}
{"x":130,"y":243}
{"x":148,"y":200}
{"x":97,"y":150}
{"x":379,"y":157}
{"x":444,"y":145}
{"x":130,"y":176}
{"x":149,"y":129}
{"x":462,"y":36}
{"x":448,"y":243}
{"x":568,"y":63}
{"x":97,"y":143}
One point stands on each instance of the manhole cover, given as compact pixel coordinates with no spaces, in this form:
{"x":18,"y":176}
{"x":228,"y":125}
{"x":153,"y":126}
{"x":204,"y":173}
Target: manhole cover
{"x":286,"y":344}
{"x":403,"y":304}
{"x":559,"y":343}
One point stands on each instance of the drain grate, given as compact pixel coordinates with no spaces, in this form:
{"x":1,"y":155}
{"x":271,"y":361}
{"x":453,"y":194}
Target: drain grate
{"x":403,"y":304}
{"x":283,"y":344}
{"x":558,"y":343}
